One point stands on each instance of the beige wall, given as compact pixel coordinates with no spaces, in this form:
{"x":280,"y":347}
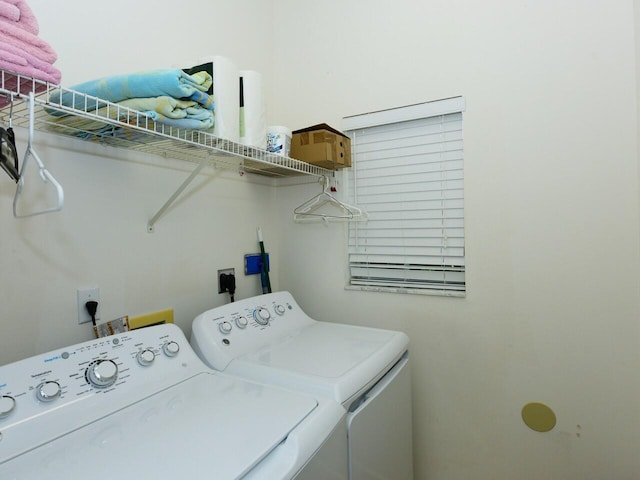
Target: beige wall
{"x":551,"y":188}
{"x":552,"y":210}
{"x":99,"y":238}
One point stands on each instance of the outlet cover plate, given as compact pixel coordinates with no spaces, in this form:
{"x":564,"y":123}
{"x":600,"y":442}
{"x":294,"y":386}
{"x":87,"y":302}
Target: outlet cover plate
{"x":227,"y":271}
{"x":85,"y":295}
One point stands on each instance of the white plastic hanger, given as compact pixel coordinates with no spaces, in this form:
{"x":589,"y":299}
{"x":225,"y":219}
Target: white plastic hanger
{"x":44,"y":173}
{"x":309,"y":209}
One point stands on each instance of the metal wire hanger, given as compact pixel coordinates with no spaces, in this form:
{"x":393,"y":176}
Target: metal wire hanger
{"x":309,"y":209}
{"x":44,"y":173}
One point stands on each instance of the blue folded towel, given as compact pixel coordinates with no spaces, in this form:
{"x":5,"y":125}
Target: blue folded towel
{"x":151,"y":83}
{"x":168,"y":111}
{"x":172,"y":111}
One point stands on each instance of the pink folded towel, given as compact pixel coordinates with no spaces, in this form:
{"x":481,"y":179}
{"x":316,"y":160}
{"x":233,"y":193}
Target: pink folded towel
{"x":9,"y":12}
{"x":23,"y":52}
{"x":18,"y":61}
{"x":19,"y":14}
{"x":27,"y":41}
{"x":28,"y":70}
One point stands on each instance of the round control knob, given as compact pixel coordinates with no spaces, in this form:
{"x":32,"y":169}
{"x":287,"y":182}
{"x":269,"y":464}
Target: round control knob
{"x":262,"y":316}
{"x":145,"y":357}
{"x":48,"y":391}
{"x":241,"y":322}
{"x":279,"y":309}
{"x":7,"y":404}
{"x":171,"y":348}
{"x":225,"y":327}
{"x":102,"y":373}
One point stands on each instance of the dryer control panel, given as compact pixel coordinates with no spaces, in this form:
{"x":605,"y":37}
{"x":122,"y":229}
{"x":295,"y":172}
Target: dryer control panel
{"x":67,"y":388}
{"x":245,"y":326}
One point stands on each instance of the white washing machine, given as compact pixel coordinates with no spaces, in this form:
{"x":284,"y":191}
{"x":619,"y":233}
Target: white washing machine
{"x":270,"y":339}
{"x":141,"y":405}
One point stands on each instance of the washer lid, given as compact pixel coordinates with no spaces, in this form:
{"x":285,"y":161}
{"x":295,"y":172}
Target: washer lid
{"x":210,"y":426}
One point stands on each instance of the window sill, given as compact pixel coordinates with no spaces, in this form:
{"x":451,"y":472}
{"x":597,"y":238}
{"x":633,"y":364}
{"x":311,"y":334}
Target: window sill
{"x":408,"y":291}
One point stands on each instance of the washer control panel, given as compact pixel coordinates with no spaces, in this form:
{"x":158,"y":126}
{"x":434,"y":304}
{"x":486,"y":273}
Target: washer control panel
{"x":232,"y":330}
{"x":80,"y":383}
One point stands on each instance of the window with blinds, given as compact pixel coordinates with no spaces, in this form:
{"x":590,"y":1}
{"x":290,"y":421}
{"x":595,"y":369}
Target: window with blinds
{"x":408,"y":176}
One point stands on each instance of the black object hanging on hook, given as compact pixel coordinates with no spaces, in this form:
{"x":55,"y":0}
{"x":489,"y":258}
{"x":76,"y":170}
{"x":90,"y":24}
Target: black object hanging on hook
{"x":8,"y":152}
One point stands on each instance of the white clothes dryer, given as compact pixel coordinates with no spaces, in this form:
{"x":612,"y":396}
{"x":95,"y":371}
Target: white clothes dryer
{"x":270,"y":339}
{"x":142,"y":405}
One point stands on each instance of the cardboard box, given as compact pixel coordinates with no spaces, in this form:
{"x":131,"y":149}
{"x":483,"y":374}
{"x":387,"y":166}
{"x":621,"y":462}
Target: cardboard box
{"x":321,"y":145}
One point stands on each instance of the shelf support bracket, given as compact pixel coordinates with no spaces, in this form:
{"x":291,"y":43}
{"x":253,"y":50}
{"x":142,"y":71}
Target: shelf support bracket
{"x":150,"y":225}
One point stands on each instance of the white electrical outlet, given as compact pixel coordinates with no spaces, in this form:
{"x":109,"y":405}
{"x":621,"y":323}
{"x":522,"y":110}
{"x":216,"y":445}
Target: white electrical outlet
{"x":85,"y":295}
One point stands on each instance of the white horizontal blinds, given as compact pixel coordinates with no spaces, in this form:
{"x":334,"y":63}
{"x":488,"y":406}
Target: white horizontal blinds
{"x":409,"y":179}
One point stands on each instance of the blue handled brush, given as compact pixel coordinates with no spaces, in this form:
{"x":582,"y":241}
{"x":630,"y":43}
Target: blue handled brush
{"x":264,"y":274}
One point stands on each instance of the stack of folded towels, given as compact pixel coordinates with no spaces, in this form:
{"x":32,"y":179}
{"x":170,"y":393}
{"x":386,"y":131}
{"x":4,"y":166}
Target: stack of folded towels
{"x":168,"y":96}
{"x":21,"y":50}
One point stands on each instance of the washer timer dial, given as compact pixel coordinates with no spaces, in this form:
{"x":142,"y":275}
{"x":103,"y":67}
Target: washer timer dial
{"x":102,"y":373}
{"x":262,"y":316}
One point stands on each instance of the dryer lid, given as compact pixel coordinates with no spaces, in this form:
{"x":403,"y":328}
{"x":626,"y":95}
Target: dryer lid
{"x":336,"y":360}
{"x":327,"y":350}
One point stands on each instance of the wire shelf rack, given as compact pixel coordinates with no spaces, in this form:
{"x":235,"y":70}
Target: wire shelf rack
{"x":34,"y":104}
{"x":92,"y":119}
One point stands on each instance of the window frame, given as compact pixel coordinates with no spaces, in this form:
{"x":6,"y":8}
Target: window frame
{"x":390,"y":117}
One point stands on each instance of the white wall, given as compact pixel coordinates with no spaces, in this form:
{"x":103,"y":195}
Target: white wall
{"x":94,"y":40}
{"x":99,"y":238}
{"x":551,"y":209}
{"x":551,"y":187}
